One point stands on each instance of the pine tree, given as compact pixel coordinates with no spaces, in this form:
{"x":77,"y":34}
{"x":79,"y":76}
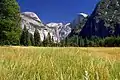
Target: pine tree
{"x":66,"y":42}
{"x":25,"y":37}
{"x":86,"y":42}
{"x":28,"y":42}
{"x":81,"y":42}
{"x":77,"y":40}
{"x":109,"y":41}
{"x":9,"y":22}
{"x":32,"y":40}
{"x":45,"y":42}
{"x":62,"y":42}
{"x":37,"y":39}
{"x":49,"y":40}
{"x":52,"y":44}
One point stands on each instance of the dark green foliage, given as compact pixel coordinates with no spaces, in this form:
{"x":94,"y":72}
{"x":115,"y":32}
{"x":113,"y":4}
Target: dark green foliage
{"x":66,"y":41}
{"x":28,"y":42}
{"x":117,"y":42}
{"x":81,"y":42}
{"x":25,"y":37}
{"x":86,"y":42}
{"x":48,"y":42}
{"x":73,"y":41}
{"x":101,"y":42}
{"x":94,"y":41}
{"x":110,"y":41}
{"x":32,"y":40}
{"x":9,"y":22}
{"x":62,"y":43}
{"x":37,"y":38}
{"x":45,"y":42}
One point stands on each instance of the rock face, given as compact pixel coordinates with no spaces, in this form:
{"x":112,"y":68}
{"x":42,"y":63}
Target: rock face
{"x":104,"y":21}
{"x":58,"y":31}
{"x":78,"y":23}
{"x":79,"y":20}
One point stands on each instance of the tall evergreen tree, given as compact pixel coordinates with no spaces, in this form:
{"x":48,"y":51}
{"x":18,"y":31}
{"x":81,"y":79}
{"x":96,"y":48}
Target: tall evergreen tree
{"x":86,"y":42}
{"x":77,"y":40}
{"x":37,"y":38}
{"x":66,"y":41}
{"x":81,"y":42}
{"x":32,"y":40}
{"x":109,"y":41}
{"x":28,"y":42}
{"x":9,"y":22}
{"x":62,"y":42}
{"x":47,"y":41}
{"x":25,"y":37}
{"x":53,"y":43}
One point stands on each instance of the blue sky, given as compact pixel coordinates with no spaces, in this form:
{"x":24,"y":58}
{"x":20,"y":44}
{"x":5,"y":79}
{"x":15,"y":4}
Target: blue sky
{"x":57,"y":10}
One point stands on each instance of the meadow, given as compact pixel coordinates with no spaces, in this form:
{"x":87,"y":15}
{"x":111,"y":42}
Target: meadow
{"x":34,"y":63}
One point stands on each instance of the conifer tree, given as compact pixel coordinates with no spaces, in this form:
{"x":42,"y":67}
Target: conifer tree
{"x":37,"y":38}
{"x":52,"y":43}
{"x":45,"y":42}
{"x":49,"y":40}
{"x":32,"y":40}
{"x":86,"y":42}
{"x":66,"y":41}
{"x":9,"y":22}
{"x":25,"y":37}
{"x":28,"y":42}
{"x":81,"y":42}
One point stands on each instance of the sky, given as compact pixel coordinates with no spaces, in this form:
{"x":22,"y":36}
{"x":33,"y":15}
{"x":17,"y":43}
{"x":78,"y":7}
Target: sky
{"x":57,"y":10}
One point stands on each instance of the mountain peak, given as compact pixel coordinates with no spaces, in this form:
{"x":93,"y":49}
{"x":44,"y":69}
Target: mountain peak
{"x":83,"y":14}
{"x":31,"y":15}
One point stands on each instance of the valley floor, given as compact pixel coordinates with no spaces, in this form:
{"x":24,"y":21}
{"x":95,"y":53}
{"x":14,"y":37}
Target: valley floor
{"x":40,"y":63}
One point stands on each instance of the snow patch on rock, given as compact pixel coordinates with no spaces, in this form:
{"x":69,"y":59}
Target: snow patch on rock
{"x":83,"y":14}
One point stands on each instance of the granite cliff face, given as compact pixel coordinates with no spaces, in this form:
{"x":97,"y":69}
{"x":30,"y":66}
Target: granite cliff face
{"x":104,"y":21}
{"x":79,"y":20}
{"x":57,"y":30}
{"x":78,"y":23}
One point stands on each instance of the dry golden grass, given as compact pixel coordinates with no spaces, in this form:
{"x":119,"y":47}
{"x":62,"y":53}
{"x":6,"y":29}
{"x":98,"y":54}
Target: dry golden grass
{"x":34,"y":63}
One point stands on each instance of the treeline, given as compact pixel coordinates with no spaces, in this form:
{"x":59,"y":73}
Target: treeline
{"x":27,"y":39}
{"x":94,"y":41}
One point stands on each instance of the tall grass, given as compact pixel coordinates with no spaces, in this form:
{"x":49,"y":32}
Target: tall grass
{"x":59,"y":63}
